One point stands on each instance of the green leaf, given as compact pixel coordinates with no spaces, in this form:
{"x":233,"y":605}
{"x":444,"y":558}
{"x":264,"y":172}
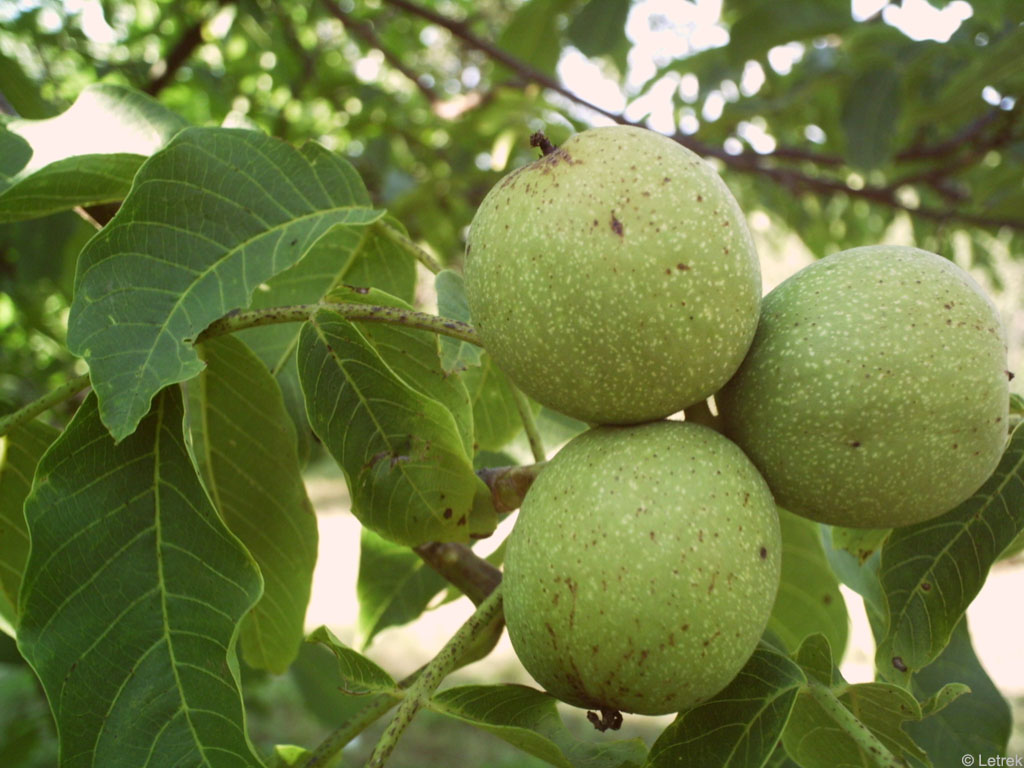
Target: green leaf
{"x":456,"y":355}
{"x":20,"y":91}
{"x":815,"y":657}
{"x":14,"y":155}
{"x":209,"y":218}
{"x":933,"y":570}
{"x":289,"y":756}
{"x":413,"y":356}
{"x":978,"y":723}
{"x":315,"y":673}
{"x":245,"y":446}
{"x":496,"y":418}
{"x":962,"y":91}
{"x":402,"y":452}
{"x":599,"y":27}
{"x":532,"y":34}
{"x":814,"y":740}
{"x":860,"y":576}
{"x":394,"y":585}
{"x":808,"y":600}
{"x":355,"y":256}
{"x":88,"y":154}
{"x":870,"y":113}
{"x":132,"y":597}
{"x":358,"y":256}
{"x":862,"y":543}
{"x":20,"y":451}
{"x":741,"y":725}
{"x":358,"y":674}
{"x":527,"y":719}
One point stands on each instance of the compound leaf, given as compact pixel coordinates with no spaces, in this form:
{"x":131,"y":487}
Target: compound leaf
{"x":20,"y":451}
{"x":402,"y":452}
{"x":394,"y":585}
{"x":88,"y":154}
{"x":808,"y":600}
{"x":209,"y":219}
{"x":245,"y":445}
{"x":931,"y":571}
{"x":132,"y":598}
{"x":739,"y":727}
{"x":527,"y":719}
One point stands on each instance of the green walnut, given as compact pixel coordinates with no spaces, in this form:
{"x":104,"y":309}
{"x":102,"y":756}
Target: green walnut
{"x":614,"y":279}
{"x":642,"y":568}
{"x":876,"y":390}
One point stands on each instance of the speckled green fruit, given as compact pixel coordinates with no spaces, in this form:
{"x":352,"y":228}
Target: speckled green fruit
{"x":642,"y":568}
{"x":876,"y":393}
{"x":614,"y":279}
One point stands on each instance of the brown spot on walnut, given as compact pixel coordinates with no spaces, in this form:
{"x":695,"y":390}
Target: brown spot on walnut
{"x":763,"y":553}
{"x":616,"y":225}
{"x":682,"y":267}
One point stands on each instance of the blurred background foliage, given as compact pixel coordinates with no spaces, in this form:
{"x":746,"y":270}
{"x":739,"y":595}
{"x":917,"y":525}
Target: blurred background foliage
{"x":835,"y":123}
{"x":831,"y":120}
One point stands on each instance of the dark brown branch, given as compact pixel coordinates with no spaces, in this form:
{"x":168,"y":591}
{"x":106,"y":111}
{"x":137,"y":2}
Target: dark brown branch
{"x":748,"y":162}
{"x":461,"y":566}
{"x":954,"y":143}
{"x":366,"y":33}
{"x":180,"y":53}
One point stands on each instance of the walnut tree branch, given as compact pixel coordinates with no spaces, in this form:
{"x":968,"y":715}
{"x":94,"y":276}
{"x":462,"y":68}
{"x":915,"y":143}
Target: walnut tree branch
{"x":163,"y":72}
{"x":750,"y":162}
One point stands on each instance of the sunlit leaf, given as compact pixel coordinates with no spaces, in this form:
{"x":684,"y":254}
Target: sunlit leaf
{"x":88,"y":154}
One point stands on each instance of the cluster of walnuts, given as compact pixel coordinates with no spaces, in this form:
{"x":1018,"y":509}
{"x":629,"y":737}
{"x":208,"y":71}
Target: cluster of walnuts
{"x":615,"y":280}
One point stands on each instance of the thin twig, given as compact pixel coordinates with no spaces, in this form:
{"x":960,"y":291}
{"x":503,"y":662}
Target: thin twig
{"x":433,"y":674}
{"x":403,"y":242}
{"x":462,"y":567}
{"x":191,"y":38}
{"x":369,"y":313}
{"x":509,"y":484}
{"x":871,"y":748}
{"x":366,"y":33}
{"x":54,"y":397}
{"x":745,"y":162}
{"x":344,"y":733}
{"x":529,"y":424}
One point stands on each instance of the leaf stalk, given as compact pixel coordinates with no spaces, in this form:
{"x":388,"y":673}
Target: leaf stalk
{"x":875,"y":751}
{"x":46,"y":402}
{"x":433,"y":673}
{"x":369,"y":313}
